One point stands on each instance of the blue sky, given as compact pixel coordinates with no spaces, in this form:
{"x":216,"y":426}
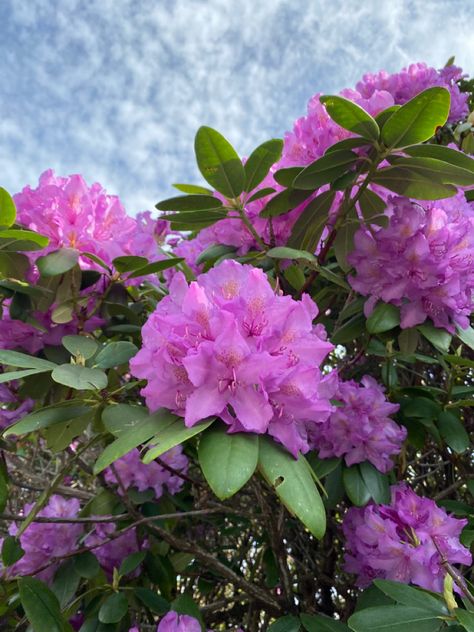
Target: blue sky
{"x":115,"y":89}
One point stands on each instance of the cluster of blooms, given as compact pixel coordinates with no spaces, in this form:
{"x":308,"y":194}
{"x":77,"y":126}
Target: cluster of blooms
{"x":74,"y":215}
{"x":402,"y":541}
{"x":409,"y":82}
{"x":360,"y":429}
{"x":8,"y":398}
{"x":421,"y":262}
{"x":132,"y":472}
{"x":174,"y":622}
{"x":228,"y":345}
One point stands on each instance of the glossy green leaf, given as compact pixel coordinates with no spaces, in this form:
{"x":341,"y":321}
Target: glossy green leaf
{"x":440,"y":152}
{"x":320,"y":623}
{"x":24,"y":361}
{"x":113,"y":609}
{"x":131,"y":562}
{"x":286,"y":176}
{"x":309,"y":226}
{"x":259,"y":162}
{"x":293,"y":482}
{"x":190,"y":203}
{"x":411,"y":183}
{"x":129,"y":263}
{"x":410,"y":596}
{"x":194,"y":220}
{"x":227,"y":460}
{"x":371,"y":204}
{"x":213,"y":252}
{"x":436,"y":170}
{"x":453,"y":432}
{"x":119,"y":418}
{"x":283,"y":252}
{"x":376,"y":483}
{"x":466,"y":619}
{"x":65,"y":584}
{"x":11,"y":550}
{"x":347,"y":143}
{"x":80,"y":346}
{"x":344,"y":244}
{"x":46,"y":417}
{"x":173,"y":432}
{"x":156,"y":266}
{"x":417,"y":120}
{"x":41,"y":606}
{"x":16,"y":375}
{"x":355,"y":486}
{"x":152,"y":600}
{"x":384,"y":318}
{"x":193,"y":189}
{"x":79,"y":377}
{"x":350,"y":330}
{"x":325,"y":170}
{"x":7,"y":208}
{"x":86,"y":565}
{"x":439,"y":338}
{"x":219,"y":163}
{"x":351,"y":116}
{"x":260,"y":193}
{"x":284,"y":202}
{"x":114,"y":354}
{"x":36,"y":240}
{"x":466,"y":335}
{"x":57,"y":262}
{"x":394,"y":619}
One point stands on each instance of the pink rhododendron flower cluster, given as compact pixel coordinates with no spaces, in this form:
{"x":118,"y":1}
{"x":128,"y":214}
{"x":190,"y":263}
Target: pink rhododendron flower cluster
{"x":12,"y":407}
{"x":229,"y":345}
{"x":361,"y":429}
{"x":422,"y":262}
{"x":400,"y":541}
{"x":132,"y":472}
{"x":410,"y":81}
{"x":43,"y":541}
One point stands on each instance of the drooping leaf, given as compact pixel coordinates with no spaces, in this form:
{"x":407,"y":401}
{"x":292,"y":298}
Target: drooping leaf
{"x":219,"y":163}
{"x":25,"y":239}
{"x":66,"y":583}
{"x":86,"y":565}
{"x":11,"y":550}
{"x":131,"y":562}
{"x":293,"y":482}
{"x":152,"y":600}
{"x":286,"y":176}
{"x":351,"y":116}
{"x":371,"y":204}
{"x":439,"y":338}
{"x":259,"y":162}
{"x":57,"y":262}
{"x":16,"y":375}
{"x":344,"y":244}
{"x":213,"y":252}
{"x":227,"y":460}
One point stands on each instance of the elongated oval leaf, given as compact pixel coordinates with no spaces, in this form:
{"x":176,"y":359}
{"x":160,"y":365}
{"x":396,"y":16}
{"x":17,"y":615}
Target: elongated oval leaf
{"x":79,"y":377}
{"x":156,"y":266}
{"x":376,"y":482}
{"x":355,"y":487}
{"x":219,"y":163}
{"x":285,"y":177}
{"x":49,"y":416}
{"x":294,"y":484}
{"x":172,"y":434}
{"x":436,"y":170}
{"x":227,"y":460}
{"x":440,"y":152}
{"x":24,"y":361}
{"x":192,"y":189}
{"x":411,"y":183}
{"x":351,"y":116}
{"x":113,"y":609}
{"x":16,"y":375}
{"x":325,"y":170}
{"x":309,"y":226}
{"x":119,"y":418}
{"x":371,"y":204}
{"x":417,"y":120}
{"x":409,"y":596}
{"x":453,"y":432}
{"x":283,"y":252}
{"x":37,"y":240}
{"x":57,"y":262}
{"x":194,"y":220}
{"x":283,"y":202}
{"x":395,"y":619}
{"x":259,"y":162}
{"x":41,"y":606}
{"x":128,"y":263}
{"x":7,"y":208}
{"x":383,"y":318}
{"x":190,"y":203}
{"x":114,"y":354}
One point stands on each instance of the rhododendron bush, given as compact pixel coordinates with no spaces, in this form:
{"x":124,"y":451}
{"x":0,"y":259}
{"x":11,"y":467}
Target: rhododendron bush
{"x":251,"y":410}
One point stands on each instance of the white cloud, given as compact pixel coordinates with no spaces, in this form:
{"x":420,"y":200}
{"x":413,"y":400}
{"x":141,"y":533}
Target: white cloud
{"x":115,"y":89}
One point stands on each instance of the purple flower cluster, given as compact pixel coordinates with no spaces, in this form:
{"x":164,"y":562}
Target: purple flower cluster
{"x":112,"y":553}
{"x":422,"y":262}
{"x":409,"y":82}
{"x":12,"y":407}
{"x":133,"y":473}
{"x":360,"y":429}
{"x":43,"y":541}
{"x":228,"y":345}
{"x":402,"y":541}
{"x":174,"y":622}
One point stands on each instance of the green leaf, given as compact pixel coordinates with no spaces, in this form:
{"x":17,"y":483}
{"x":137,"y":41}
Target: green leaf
{"x":114,"y":354}
{"x":320,"y":623}
{"x":46,"y":417}
{"x":260,"y":193}
{"x":41,"y":606}
{"x":282,"y":252}
{"x":436,"y":170}
{"x":100,"y":262}
{"x":371,"y":205}
{"x":119,"y":418}
{"x":283,"y":202}
{"x":65,"y":584}
{"x":219,"y":163}
{"x":286,"y":176}
{"x":347,"y":143}
{"x":309,"y":226}
{"x":384,"y":318}
{"x":418,"y":119}
{"x":351,"y":116}
{"x":63,"y":313}
{"x":325,"y":170}
{"x":293,"y":482}
{"x":465,"y":335}
{"x":465,"y":618}
{"x":173,"y":432}
{"x":13,"y":265}
{"x":213,"y":252}
{"x":24,"y":361}
{"x":194,"y":220}
{"x":11,"y":550}
{"x":440,"y":152}
{"x":113,"y":609}
{"x":7,"y":208}
{"x":86,"y":565}
{"x":129,"y":439}
{"x":58,"y":438}
{"x":439,"y":338}
{"x":17,"y":375}
{"x":156,"y":266}
{"x":411,"y":183}
{"x":350,"y":330}
{"x":395,"y":619}
{"x":453,"y":432}
{"x":79,"y":377}
{"x":57,"y":262}
{"x":131,"y":562}
{"x":185,"y":604}
{"x":409,"y":596}
{"x":259,"y":162}
{"x":408,"y":340}
{"x":289,"y":623}
{"x":344,"y":244}
{"x":227,"y":460}
{"x":190,"y":203}
{"x":355,"y":486}
{"x":80,"y":346}
{"x":193,"y":189}
{"x":128,"y":263}
{"x":25,"y":239}
{"x":152,"y":600}
{"x":376,"y":482}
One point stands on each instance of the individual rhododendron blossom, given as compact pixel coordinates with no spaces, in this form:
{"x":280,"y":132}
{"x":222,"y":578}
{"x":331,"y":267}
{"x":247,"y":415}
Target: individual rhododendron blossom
{"x":12,"y":406}
{"x":229,"y":345}
{"x":402,"y":541}
{"x":174,"y":622}
{"x":133,"y":473}
{"x":422,"y":262}
{"x":410,"y":81}
{"x":73,"y":215}
{"x":114,"y":549}
{"x":360,"y":429}
{"x":43,"y":541}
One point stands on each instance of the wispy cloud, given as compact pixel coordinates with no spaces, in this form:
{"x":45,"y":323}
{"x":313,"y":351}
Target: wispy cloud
{"x":115,"y":89}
